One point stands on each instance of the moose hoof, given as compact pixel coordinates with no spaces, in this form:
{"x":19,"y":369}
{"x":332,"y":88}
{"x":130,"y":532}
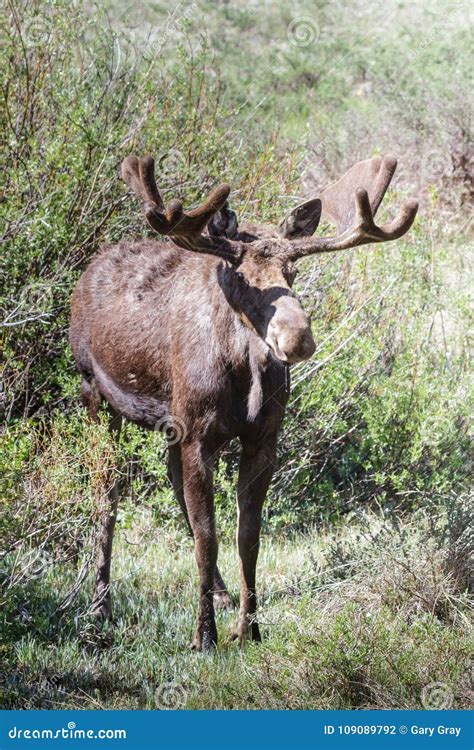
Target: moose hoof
{"x":101,"y":609}
{"x":222,"y":600}
{"x":204,"y":640}
{"x":246,"y":631}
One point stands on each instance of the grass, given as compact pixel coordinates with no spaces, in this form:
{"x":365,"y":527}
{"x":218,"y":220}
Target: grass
{"x":376,"y":630}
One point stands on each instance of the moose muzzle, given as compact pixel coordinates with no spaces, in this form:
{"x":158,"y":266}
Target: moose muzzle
{"x":289,"y":332}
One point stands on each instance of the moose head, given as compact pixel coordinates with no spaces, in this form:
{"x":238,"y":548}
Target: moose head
{"x":259,"y":268}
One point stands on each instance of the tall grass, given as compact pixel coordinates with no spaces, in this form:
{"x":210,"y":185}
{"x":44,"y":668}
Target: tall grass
{"x":365,"y":617}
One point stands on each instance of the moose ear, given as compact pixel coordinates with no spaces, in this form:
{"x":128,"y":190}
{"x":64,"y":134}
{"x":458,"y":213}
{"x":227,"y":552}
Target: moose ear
{"x":224,"y":223}
{"x":302,"y":221}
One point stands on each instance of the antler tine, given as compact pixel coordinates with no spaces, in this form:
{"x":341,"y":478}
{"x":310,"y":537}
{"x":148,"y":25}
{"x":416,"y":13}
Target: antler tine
{"x":194,"y":221}
{"x":131,"y":176}
{"x":147,"y":176}
{"x":185,"y":228}
{"x":139,"y":175}
{"x":181,"y":225}
{"x":368,"y":231}
{"x":387,"y":170}
{"x":364,"y":232}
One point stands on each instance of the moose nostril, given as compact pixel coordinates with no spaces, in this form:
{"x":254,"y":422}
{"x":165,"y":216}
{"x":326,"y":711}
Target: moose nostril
{"x":309,"y":347}
{"x":292,"y":345}
{"x":304,"y":348}
{"x":308,"y":343}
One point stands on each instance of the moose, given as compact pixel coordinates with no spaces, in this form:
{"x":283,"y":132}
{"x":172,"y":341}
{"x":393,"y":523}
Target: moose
{"x":195,"y":336}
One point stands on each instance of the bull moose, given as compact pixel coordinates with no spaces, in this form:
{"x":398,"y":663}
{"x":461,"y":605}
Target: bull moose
{"x":196,"y":336}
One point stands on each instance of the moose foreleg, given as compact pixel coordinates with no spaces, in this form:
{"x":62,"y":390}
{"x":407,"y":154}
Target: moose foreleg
{"x":255,"y":472}
{"x":221,"y":596}
{"x":199,"y":497}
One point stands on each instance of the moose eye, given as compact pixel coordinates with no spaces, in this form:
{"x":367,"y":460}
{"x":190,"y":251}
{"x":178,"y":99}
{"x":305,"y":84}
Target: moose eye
{"x":240,"y":277}
{"x":290,"y":273}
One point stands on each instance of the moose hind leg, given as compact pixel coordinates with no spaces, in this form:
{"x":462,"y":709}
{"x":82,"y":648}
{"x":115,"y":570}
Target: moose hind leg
{"x":101,"y":602}
{"x":255,"y":472}
{"x":91,"y":397}
{"x":221,"y":596}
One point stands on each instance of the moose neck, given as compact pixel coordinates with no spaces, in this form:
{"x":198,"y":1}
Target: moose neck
{"x":248,"y":356}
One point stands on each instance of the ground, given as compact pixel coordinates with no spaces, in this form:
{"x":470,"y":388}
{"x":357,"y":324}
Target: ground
{"x":347,"y":623}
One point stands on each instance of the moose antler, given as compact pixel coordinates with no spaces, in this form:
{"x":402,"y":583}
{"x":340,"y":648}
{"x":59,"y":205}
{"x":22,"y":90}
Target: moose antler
{"x":184,"y":227}
{"x":351,"y":203}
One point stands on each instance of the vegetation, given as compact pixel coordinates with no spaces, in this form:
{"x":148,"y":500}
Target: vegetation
{"x":354,"y":618}
{"x":368,"y":528}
